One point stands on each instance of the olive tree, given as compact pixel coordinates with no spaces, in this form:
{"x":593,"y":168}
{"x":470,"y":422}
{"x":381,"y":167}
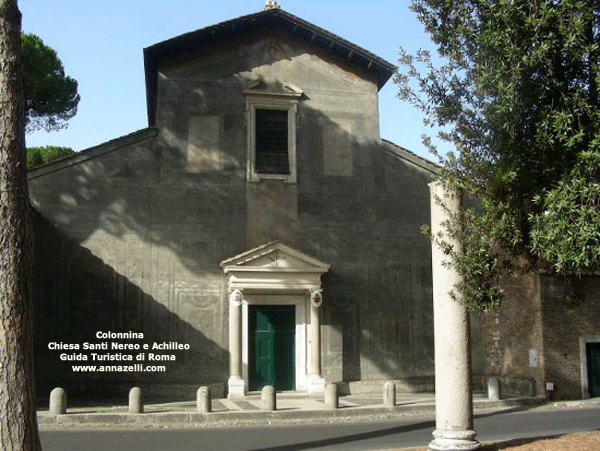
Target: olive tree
{"x":516,"y":95}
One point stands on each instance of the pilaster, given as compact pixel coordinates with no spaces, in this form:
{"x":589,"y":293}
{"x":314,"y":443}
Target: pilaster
{"x":316,"y":383}
{"x":236,"y":384}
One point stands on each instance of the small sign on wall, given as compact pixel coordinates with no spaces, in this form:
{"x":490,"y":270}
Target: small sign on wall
{"x":533,"y":358}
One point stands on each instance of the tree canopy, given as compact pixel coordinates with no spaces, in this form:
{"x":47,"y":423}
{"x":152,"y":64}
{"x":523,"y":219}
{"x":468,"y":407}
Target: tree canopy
{"x":38,"y":156}
{"x":517,"y":96}
{"x":51,"y":97}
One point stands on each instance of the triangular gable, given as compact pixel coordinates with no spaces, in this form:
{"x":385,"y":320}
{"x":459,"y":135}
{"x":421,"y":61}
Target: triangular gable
{"x":274,"y":257}
{"x":311,"y":34}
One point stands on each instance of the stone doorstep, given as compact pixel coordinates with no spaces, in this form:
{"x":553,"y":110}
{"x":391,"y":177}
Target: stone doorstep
{"x":239,"y":416}
{"x":229,"y":405}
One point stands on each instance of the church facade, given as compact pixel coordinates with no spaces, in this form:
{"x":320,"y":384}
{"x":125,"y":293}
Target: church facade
{"x":258,"y":231}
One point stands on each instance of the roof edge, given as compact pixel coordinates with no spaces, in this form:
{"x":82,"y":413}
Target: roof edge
{"x":410,"y":156}
{"x":93,"y":152}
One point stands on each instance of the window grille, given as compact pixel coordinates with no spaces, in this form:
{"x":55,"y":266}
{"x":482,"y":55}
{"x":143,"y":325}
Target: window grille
{"x":272,"y":142}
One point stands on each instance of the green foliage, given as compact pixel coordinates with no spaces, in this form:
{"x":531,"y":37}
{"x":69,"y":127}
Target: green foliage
{"x":517,"y":96}
{"x":38,"y":156}
{"x":51,"y":97}
{"x":567,"y":233}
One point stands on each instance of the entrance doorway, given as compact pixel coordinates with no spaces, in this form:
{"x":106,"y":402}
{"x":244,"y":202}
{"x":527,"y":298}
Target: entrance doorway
{"x":271,"y":340}
{"x":593,"y":368}
{"x":275,"y":295}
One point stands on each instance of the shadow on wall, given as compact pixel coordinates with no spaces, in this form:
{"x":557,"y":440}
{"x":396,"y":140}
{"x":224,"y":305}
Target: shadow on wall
{"x":363,"y":220}
{"x":77,"y":295}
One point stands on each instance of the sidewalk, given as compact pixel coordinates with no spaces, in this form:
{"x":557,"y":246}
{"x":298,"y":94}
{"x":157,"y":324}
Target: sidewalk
{"x":291,"y":407}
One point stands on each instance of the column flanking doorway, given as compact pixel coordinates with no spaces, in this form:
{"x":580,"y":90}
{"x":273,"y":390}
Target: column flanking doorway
{"x":271,"y":342}
{"x":275,"y":299}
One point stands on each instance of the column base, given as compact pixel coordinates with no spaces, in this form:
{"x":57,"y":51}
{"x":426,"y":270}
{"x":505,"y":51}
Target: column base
{"x":447,"y":440}
{"x":236,"y":387}
{"x":316,"y":385}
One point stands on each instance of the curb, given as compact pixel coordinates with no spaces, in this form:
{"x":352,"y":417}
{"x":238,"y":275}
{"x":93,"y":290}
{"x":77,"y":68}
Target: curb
{"x":241,"y":417}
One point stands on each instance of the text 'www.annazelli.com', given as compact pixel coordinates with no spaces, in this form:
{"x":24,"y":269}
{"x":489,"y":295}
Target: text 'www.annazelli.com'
{"x":137,"y":368}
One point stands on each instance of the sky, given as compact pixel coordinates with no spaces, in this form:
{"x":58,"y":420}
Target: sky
{"x":100,"y":44}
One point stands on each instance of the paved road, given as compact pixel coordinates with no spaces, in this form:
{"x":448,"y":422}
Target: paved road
{"x":346,"y":437}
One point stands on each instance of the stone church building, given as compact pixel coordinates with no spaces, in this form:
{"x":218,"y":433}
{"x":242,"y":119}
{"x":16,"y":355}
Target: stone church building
{"x":259,"y":230}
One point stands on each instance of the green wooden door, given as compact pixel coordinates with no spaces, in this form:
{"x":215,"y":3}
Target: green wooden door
{"x":593,"y":367}
{"x":272,"y":342}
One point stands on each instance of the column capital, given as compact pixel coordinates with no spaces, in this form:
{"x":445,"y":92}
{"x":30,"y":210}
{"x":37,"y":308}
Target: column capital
{"x":235,"y":297}
{"x":316,"y":298}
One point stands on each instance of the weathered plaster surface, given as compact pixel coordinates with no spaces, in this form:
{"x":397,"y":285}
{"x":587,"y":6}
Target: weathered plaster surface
{"x":131,"y":233}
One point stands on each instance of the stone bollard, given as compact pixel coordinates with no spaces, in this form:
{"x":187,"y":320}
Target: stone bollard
{"x":58,"y":401}
{"x":135,"y":400}
{"x":331,"y":396}
{"x":494,"y":388}
{"x":268,"y":398}
{"x":203,"y":400}
{"x":389,"y":394}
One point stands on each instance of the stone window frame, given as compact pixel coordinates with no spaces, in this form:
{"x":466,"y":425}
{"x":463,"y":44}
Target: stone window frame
{"x":286,"y":99}
{"x":583,"y":341}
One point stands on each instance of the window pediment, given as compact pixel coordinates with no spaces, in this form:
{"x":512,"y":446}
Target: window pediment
{"x":281,"y":89}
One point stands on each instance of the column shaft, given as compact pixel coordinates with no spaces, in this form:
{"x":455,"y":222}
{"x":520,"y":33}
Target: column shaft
{"x":315,"y":336}
{"x":316,"y":383}
{"x":236,"y":383}
{"x":235,"y":340}
{"x":453,"y":384}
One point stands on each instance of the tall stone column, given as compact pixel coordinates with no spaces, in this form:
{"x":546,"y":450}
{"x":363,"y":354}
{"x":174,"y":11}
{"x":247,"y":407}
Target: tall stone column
{"x":236,"y":383}
{"x":316,"y":383}
{"x":453,"y":385}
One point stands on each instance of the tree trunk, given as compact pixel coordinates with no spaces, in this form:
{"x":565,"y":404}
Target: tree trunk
{"x":18,"y":424}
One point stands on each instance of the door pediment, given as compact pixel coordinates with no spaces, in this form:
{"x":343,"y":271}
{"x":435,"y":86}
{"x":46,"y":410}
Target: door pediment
{"x":274,"y":257}
{"x":274,"y":266}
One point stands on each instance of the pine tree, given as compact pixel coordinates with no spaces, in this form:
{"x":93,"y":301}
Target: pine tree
{"x":18,"y":424}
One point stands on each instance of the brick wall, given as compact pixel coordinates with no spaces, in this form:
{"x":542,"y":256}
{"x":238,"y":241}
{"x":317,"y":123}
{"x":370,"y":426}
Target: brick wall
{"x":571,"y":313}
{"x":512,"y":336}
